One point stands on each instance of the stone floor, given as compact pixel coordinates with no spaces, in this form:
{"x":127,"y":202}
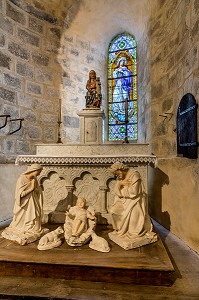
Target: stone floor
{"x":185,"y":286}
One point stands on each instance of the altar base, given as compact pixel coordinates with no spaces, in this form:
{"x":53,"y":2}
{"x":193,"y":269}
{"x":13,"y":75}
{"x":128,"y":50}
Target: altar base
{"x":70,"y":171}
{"x":148,"y":265}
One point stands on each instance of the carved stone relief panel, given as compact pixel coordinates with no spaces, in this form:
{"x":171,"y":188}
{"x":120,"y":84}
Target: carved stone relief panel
{"x":88,"y":188}
{"x":143,"y":172}
{"x":91,"y":131}
{"x":110,"y":194}
{"x":54,"y":191}
{"x":63,"y":184}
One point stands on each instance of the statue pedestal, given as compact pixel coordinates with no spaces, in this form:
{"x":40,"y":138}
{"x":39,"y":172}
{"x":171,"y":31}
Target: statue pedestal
{"x":91,"y":125}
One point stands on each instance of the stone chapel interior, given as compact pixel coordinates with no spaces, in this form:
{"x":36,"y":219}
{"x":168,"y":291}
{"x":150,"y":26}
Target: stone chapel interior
{"x":47,"y":49}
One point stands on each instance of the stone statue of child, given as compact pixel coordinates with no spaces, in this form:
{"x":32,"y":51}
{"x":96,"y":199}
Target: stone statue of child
{"x":79,"y":224}
{"x":81,"y":214}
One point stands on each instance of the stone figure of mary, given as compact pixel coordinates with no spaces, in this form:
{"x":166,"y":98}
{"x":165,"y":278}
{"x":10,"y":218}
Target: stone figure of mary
{"x":27,"y":213}
{"x":123,"y":85}
{"x":123,"y":81}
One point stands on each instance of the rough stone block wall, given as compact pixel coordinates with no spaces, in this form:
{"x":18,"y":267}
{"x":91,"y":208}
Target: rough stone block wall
{"x":144,"y":88}
{"x":8,"y":191}
{"x":30,"y":77}
{"x":47,"y":49}
{"x":77,"y":58}
{"x":174,"y":67}
{"x":174,"y":185}
{"x":88,"y":29}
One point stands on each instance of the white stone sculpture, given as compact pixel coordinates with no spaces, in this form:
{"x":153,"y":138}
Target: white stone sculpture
{"x":51,"y":239}
{"x":131,"y":222}
{"x":99,"y":244}
{"x":26,"y":227}
{"x":79,"y":224}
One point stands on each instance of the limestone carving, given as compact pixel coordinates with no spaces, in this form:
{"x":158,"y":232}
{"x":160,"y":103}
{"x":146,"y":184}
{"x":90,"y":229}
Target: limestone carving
{"x":131,"y":222}
{"x":91,"y":130}
{"x":79,"y":224}
{"x":87,"y":187}
{"x":54,"y":190}
{"x":110,"y":194}
{"x":27,"y":214}
{"x":99,"y":244}
{"x":100,"y":159}
{"x":51,"y":239}
{"x":64,"y":150}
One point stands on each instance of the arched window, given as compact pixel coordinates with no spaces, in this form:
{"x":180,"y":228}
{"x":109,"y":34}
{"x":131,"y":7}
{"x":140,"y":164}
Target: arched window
{"x":122,"y":89}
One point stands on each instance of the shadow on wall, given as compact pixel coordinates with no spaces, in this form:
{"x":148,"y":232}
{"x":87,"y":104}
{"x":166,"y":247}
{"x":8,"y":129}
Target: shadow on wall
{"x":157,"y":179}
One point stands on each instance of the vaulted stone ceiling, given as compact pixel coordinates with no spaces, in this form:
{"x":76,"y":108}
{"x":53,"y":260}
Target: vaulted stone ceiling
{"x":56,"y":10}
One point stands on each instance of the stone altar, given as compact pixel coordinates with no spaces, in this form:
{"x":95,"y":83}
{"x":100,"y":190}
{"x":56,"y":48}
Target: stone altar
{"x":70,"y":171}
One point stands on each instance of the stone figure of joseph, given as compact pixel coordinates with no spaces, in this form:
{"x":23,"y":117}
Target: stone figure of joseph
{"x":28,"y":202}
{"x":129,"y":211}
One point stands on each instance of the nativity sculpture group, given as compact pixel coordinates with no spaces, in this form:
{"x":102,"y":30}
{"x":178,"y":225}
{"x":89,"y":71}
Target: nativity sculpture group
{"x":131,"y":223}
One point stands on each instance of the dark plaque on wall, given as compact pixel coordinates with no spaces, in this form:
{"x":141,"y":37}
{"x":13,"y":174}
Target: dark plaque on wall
{"x":187,"y":127}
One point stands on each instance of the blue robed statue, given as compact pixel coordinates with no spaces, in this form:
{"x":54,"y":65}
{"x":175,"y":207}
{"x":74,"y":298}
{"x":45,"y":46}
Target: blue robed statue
{"x":123,"y":85}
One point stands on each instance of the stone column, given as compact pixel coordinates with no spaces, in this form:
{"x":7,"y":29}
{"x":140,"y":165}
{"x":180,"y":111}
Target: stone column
{"x":102,"y":204}
{"x":70,"y":189}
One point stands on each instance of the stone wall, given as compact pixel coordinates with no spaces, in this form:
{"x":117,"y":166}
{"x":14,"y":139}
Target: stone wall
{"x":34,"y":53}
{"x":42,"y":43}
{"x":30,"y":77}
{"x":46,"y":53}
{"x":174,"y":67}
{"x":8,"y":176}
{"x":144,"y":86}
{"x":174,"y":72}
{"x":89,"y":28}
{"x":51,"y":10}
{"x":47,"y":49}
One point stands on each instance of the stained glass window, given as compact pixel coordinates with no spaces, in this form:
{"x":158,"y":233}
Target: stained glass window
{"x":122,"y":89}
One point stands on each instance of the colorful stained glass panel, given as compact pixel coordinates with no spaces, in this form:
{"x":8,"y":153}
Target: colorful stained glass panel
{"x":118,"y":132}
{"x":122,"y":88}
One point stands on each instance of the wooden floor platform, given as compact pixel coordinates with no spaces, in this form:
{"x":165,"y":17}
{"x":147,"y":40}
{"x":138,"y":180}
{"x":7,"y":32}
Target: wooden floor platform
{"x":147,"y":265}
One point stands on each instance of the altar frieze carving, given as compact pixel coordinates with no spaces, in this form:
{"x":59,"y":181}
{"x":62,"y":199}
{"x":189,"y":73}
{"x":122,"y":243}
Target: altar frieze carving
{"x":45,"y":160}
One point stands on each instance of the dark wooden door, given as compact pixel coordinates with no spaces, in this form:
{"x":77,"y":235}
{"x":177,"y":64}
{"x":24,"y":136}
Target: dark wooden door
{"x":187,"y":127}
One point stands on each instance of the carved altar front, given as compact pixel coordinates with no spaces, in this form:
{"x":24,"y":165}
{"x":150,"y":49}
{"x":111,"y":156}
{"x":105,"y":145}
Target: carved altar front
{"x":83,"y":170}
